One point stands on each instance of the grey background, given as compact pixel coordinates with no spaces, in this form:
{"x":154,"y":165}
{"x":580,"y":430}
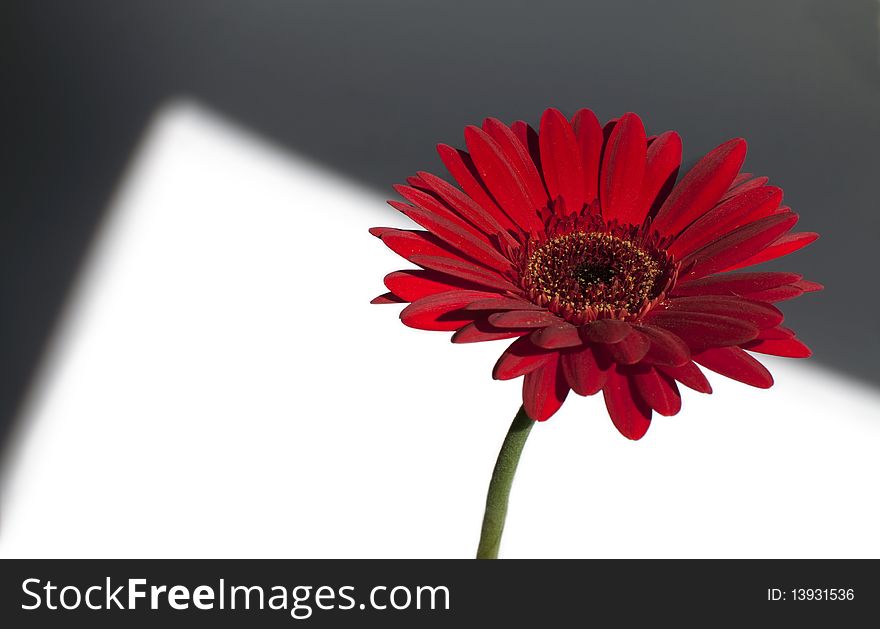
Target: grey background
{"x":369,"y":88}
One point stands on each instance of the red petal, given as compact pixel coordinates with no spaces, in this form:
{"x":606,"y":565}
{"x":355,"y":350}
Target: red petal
{"x":433,"y":205}
{"x":704,"y":330}
{"x":607,"y":330}
{"x":557,"y":336}
{"x":500,"y":178}
{"x":415,"y":284}
{"x":689,"y":375}
{"x":407,"y":243}
{"x":777,"y":333}
{"x":417,"y":182}
{"x":666,"y":348}
{"x":623,"y":168}
{"x":744,"y":182}
{"x":657,"y":390}
{"x":781,"y":247}
{"x":740,"y":179}
{"x":734,"y":284}
{"x":760,"y":314}
{"x":464,"y":270}
{"x":387,"y":298}
{"x":544,"y":390}
{"x":461,"y":167}
{"x":459,"y":238}
{"x":701,"y":187}
{"x":480,"y":331}
{"x":606,"y":132}
{"x":528,"y":137}
{"x":630,"y":414}
{"x":378,"y":231}
{"x":661,"y":169}
{"x":584,"y":373}
{"x":441,"y":311}
{"x":520,"y":358}
{"x":735,"y":212}
{"x":561,"y":160}
{"x":808,"y":287}
{"x":630,"y":350}
{"x":518,"y":156}
{"x":523,"y":319}
{"x":465,"y":207}
{"x":790,"y":348}
{"x":780,"y":293}
{"x":501,"y":304}
{"x":588,"y":132}
{"x":726,"y":253}
{"x":735,"y":363}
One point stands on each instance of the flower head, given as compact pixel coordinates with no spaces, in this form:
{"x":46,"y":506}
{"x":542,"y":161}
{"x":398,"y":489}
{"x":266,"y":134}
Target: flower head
{"x":577,"y":242}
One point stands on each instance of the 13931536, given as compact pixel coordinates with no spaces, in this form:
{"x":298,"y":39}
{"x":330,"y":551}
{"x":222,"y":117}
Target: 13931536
{"x":811,"y":594}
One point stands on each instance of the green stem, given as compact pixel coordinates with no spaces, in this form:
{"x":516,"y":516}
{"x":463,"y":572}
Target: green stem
{"x":499,"y":486}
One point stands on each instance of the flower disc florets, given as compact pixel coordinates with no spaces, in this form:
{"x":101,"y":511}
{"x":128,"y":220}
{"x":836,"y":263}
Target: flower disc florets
{"x":594,"y":274}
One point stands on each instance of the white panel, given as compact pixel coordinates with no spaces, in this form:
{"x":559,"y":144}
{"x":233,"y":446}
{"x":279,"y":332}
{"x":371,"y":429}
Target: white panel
{"x":222,"y":387}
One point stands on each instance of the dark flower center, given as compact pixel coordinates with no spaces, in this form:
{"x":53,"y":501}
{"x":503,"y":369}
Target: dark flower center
{"x":593,"y":274}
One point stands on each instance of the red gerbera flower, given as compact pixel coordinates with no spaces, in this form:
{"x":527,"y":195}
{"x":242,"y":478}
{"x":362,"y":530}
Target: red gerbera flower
{"x":578,"y":243}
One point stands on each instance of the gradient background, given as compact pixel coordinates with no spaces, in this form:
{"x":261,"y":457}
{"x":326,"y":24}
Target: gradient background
{"x":367,"y":89}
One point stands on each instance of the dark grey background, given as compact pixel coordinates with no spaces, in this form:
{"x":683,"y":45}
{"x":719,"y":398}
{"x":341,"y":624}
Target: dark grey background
{"x":370,"y":87}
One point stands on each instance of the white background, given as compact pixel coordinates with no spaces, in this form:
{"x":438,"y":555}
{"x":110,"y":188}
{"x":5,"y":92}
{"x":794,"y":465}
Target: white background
{"x":221,"y":387}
